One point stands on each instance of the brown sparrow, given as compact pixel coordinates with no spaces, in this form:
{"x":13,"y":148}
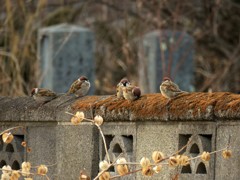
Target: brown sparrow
{"x":42,"y":95}
{"x":80,"y":87}
{"x":131,"y":93}
{"x":169,"y":89}
{"x":123,"y":83}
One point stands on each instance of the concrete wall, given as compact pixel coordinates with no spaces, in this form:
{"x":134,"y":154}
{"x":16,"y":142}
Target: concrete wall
{"x":129,"y":128}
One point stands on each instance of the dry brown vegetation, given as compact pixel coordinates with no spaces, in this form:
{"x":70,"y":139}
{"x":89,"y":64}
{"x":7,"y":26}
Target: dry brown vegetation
{"x":214,"y":24}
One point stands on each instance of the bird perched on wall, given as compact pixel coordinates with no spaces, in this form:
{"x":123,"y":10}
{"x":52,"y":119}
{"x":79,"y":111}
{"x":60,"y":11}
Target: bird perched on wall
{"x":123,"y":83}
{"x":42,"y":95}
{"x":131,"y":93}
{"x":169,"y":89}
{"x":80,"y":87}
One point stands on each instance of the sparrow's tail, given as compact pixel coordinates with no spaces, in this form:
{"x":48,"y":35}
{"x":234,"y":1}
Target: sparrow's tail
{"x":182,"y":92}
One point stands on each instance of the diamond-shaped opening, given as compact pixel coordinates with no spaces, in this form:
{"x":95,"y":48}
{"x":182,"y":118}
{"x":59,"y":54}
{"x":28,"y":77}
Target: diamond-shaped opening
{"x":201,"y":169}
{"x":183,"y":140}
{"x":117,"y":149}
{"x":18,"y":140}
{"x":2,"y":163}
{"x":111,"y":169}
{"x":129,"y":142}
{"x":9,"y":148}
{"x":1,"y":145}
{"x":108,"y":139}
{"x":15,"y":165}
{"x":194,"y":150}
{"x":186,"y":169}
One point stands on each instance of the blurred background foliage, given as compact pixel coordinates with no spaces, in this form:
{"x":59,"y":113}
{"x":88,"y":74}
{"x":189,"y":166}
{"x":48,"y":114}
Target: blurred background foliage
{"x":118,"y":26}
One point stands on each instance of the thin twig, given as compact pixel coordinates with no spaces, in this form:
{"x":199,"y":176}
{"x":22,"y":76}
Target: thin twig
{"x":99,"y":174}
{"x":104,"y":142}
{"x":90,"y":120}
{"x":209,"y":153}
{"x":189,"y":141}
{"x":11,"y":129}
{"x":100,"y":130}
{"x":131,"y":172}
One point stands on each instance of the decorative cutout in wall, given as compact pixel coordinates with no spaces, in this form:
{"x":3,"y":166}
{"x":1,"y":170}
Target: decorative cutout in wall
{"x":13,"y":153}
{"x":199,"y":143}
{"x":116,"y":145}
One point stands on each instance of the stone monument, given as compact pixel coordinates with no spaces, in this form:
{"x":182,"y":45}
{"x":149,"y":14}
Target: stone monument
{"x":66,"y":52}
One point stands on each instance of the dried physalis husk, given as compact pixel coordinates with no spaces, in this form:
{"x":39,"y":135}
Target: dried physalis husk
{"x":157,"y":156}
{"x":105,"y":176}
{"x":25,"y":172}
{"x":144,"y":162}
{"x":7,"y":137}
{"x":84,"y":175}
{"x":24,"y":144}
{"x":173,"y":161}
{"x":103,"y":165}
{"x":183,"y":160}
{"x":147,"y":171}
{"x":227,"y":154}
{"x":157,"y":168}
{"x":205,"y":156}
{"x":98,"y":120}
{"x":6,"y":169}
{"x":29,"y":149}
{"x":15,"y":175}
{"x":26,"y":166}
{"x":5,"y":177}
{"x":122,"y":168}
{"x":42,"y":170}
{"x":77,"y":119}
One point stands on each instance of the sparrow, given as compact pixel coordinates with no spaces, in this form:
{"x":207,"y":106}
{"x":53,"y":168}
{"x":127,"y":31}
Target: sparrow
{"x":123,"y":83}
{"x":169,"y":89}
{"x":131,"y":93}
{"x":80,"y":87}
{"x":42,"y":95}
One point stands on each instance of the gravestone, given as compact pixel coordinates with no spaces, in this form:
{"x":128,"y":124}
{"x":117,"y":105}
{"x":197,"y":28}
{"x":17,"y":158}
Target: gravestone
{"x":166,"y":53}
{"x":66,"y":52}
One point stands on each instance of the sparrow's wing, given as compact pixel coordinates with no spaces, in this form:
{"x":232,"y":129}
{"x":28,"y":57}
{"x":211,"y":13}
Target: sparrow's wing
{"x":175,"y":85}
{"x":46,"y":92}
{"x":129,"y":88}
{"x":174,"y":88}
{"x":75,"y":86}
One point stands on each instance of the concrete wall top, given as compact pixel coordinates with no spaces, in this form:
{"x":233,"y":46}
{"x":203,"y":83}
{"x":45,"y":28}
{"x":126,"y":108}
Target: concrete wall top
{"x":150,"y":107}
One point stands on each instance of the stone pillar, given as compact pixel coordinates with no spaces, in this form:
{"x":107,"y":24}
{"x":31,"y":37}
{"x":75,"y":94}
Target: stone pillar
{"x":166,"y":53}
{"x":66,"y":52}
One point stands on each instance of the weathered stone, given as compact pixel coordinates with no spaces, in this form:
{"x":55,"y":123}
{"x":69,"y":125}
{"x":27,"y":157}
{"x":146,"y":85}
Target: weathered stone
{"x":135,"y":128}
{"x":228,"y":132}
{"x":66,"y":52}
